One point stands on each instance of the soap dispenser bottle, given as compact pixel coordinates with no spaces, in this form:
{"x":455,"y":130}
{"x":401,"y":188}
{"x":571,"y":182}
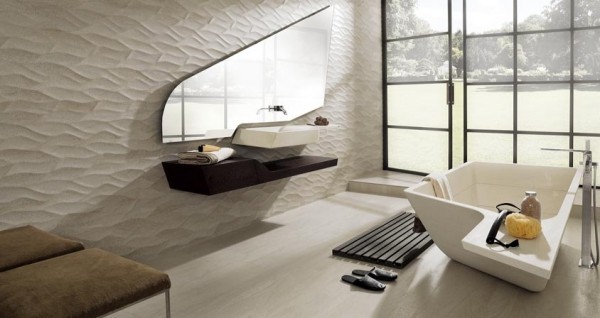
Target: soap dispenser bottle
{"x":530,"y":205}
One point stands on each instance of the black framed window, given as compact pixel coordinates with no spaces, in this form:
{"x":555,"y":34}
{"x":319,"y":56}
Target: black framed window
{"x":532,"y":80}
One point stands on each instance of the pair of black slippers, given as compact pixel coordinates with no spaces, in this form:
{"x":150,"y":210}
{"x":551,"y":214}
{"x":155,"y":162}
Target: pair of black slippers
{"x":370,"y":279}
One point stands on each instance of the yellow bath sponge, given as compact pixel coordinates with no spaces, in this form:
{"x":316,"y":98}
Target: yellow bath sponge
{"x":522,"y":226}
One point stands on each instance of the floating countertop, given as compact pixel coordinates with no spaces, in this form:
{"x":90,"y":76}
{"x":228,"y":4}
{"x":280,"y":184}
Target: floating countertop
{"x":238,"y":172}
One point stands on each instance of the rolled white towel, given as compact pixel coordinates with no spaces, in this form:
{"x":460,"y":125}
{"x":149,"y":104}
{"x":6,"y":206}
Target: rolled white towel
{"x":440,"y":184}
{"x":205,"y":158}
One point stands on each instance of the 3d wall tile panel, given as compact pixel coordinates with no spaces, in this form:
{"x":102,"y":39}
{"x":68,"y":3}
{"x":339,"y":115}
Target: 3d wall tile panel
{"x":81,"y":90}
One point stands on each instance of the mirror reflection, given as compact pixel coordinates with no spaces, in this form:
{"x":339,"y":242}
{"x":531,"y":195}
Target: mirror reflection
{"x":276,"y":79}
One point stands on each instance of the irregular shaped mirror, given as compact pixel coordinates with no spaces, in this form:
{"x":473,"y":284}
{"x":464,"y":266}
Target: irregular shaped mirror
{"x":278,"y":78}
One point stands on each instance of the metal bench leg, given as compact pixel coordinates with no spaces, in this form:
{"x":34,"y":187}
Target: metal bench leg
{"x":168,"y":303}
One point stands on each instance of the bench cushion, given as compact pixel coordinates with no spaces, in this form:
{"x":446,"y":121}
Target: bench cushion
{"x":87,"y":283}
{"x":27,"y":244}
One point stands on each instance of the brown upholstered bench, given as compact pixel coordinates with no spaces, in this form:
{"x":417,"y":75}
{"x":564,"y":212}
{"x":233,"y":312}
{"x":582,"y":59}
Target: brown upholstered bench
{"x":88,"y":283}
{"x":27,"y":244}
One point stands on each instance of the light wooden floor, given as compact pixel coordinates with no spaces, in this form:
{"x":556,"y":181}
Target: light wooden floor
{"x":283,"y":267}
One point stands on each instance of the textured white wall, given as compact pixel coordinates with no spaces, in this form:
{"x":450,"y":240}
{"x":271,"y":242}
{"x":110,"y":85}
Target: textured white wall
{"x":81,"y":90}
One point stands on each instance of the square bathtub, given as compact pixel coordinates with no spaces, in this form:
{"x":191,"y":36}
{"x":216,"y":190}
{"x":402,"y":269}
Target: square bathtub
{"x":460,"y":226}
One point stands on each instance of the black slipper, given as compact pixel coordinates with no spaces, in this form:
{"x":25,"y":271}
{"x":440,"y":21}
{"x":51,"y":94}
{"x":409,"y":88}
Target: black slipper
{"x":376,"y":273}
{"x":365,"y":282}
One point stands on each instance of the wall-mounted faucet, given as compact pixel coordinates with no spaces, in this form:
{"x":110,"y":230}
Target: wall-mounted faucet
{"x":587,"y":259}
{"x":273,"y":108}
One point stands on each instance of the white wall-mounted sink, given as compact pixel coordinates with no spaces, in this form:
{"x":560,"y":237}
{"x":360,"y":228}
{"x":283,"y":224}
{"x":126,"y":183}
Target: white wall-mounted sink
{"x":276,"y":136}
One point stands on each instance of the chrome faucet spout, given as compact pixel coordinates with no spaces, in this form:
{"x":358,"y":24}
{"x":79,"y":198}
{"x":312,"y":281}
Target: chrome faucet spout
{"x":274,"y":108}
{"x":566,"y":150}
{"x":587,"y":155}
{"x":258,"y":111}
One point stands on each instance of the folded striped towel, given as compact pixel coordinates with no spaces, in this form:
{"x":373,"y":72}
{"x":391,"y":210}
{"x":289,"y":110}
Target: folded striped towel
{"x":205,"y":158}
{"x":440,"y":184}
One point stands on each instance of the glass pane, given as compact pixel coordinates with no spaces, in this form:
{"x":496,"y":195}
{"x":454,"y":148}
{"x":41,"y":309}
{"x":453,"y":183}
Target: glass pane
{"x":490,"y":147}
{"x":417,"y":17}
{"x":587,"y":13}
{"x":302,"y":46}
{"x":458,"y":125}
{"x":529,"y":152}
{"x":458,"y":62}
{"x":171,"y":122}
{"x":457,"y":16}
{"x":457,"y":40}
{"x":490,"y":59}
{"x":245,"y":110}
{"x":423,"y":59}
{"x":417,"y":150}
{"x":244,"y":78}
{"x":587,"y":55}
{"x":543,"y":107}
{"x":210,"y":82}
{"x":177,"y":91}
{"x":544,"y":56}
{"x":202,"y":114}
{"x":489,"y":16}
{"x":543,"y":15}
{"x":586,"y":108}
{"x":490,"y":107}
{"x":299,"y":80}
{"x":418,"y":105}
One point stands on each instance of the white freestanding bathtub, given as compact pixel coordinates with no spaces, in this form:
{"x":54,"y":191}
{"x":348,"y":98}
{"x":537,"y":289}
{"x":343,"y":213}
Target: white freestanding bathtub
{"x":459,"y":227}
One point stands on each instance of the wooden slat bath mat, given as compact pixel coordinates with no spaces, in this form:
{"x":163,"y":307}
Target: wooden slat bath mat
{"x":392,"y":243}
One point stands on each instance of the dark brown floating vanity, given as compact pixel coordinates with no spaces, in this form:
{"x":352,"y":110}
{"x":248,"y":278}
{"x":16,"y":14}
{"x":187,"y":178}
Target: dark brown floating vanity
{"x":237,"y":172}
